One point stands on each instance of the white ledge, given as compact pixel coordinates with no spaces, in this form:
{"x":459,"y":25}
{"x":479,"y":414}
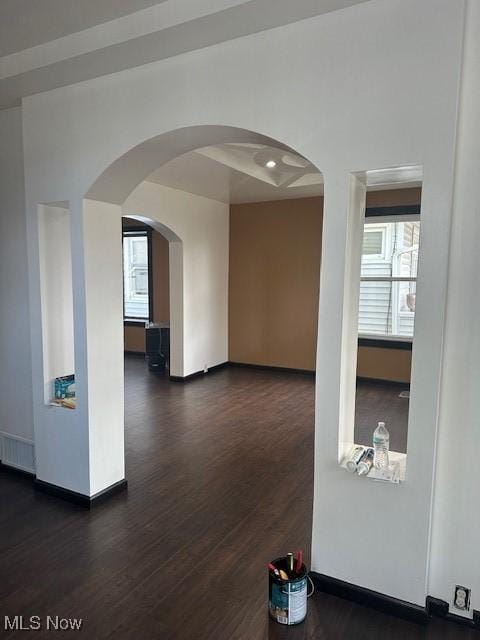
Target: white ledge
{"x":396,"y":459}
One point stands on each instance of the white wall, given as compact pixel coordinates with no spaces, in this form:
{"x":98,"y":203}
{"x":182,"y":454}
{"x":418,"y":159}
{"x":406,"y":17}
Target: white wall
{"x":16,"y":415}
{"x":202,"y":225}
{"x":455,"y":557}
{"x":368,"y":87}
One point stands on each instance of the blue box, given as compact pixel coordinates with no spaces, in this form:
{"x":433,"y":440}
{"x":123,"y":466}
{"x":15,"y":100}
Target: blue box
{"x":65,"y":387}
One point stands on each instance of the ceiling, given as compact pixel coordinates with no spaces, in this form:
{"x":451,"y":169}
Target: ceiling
{"x":238,"y":172}
{"x":27,"y":23}
{"x":46,"y":44}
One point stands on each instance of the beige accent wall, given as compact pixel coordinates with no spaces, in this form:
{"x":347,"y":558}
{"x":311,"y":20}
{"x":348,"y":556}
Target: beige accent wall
{"x":394,"y":197}
{"x":275,"y":252}
{"x":134,"y":337}
{"x":384,"y":364}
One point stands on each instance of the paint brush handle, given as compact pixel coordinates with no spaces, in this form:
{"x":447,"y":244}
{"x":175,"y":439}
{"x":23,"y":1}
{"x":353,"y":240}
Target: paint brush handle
{"x":298,"y":561}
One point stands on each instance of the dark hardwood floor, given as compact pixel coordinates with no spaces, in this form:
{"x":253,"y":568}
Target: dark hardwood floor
{"x":220,"y":481}
{"x":381,"y":402}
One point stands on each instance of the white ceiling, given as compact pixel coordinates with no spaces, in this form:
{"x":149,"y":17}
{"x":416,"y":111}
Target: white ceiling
{"x":46,"y":44}
{"x":235,"y":173}
{"x":27,"y":23}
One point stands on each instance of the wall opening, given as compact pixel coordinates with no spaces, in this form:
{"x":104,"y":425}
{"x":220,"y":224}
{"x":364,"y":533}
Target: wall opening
{"x":57,"y":303}
{"x":153,"y":300}
{"x":386,"y":249}
{"x":146,"y":292}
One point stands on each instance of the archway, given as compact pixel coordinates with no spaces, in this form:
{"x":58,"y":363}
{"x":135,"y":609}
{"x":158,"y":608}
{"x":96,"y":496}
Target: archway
{"x":120,"y":178}
{"x":121,"y":190}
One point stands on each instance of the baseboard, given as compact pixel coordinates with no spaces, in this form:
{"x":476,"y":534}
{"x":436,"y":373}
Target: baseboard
{"x":134,"y":353}
{"x":439,"y":609}
{"x":113,"y":489}
{"x":61,"y":492}
{"x":368,"y":598}
{"x":378,"y":343}
{"x":381,"y":381}
{"x":266,"y":367}
{"x":7,"y":468}
{"x":199,"y":374}
{"x":80,"y":498}
{"x":191,"y":376}
{"x":245,"y":365}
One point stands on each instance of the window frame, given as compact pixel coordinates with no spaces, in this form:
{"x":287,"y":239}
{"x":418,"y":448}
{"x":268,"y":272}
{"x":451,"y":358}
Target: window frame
{"x":139,"y":231}
{"x":379,"y":215}
{"x":374,"y":257}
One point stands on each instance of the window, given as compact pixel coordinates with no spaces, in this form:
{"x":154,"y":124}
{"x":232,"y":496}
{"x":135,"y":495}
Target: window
{"x":137,"y":301}
{"x":373,"y":242}
{"x":388,"y":277}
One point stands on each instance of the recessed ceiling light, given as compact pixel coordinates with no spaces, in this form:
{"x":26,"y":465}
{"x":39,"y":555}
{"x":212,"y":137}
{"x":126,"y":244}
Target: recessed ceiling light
{"x":270,"y":164}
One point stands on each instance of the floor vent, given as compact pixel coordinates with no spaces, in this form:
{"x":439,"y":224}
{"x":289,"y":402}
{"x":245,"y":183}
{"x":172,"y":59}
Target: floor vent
{"x":17,"y":452}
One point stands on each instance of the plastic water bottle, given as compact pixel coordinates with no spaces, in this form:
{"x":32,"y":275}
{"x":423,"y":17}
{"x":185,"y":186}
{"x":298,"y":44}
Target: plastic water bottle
{"x":381,"y":442}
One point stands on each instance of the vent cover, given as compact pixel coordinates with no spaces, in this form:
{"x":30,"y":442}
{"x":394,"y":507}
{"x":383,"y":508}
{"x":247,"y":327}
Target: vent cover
{"x":17,"y":452}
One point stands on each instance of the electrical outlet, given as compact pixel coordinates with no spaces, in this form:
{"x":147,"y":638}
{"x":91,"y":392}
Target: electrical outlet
{"x":461,"y":598}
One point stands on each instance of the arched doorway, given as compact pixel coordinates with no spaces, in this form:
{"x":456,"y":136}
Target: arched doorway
{"x":198,"y":293}
{"x":171,"y":313}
